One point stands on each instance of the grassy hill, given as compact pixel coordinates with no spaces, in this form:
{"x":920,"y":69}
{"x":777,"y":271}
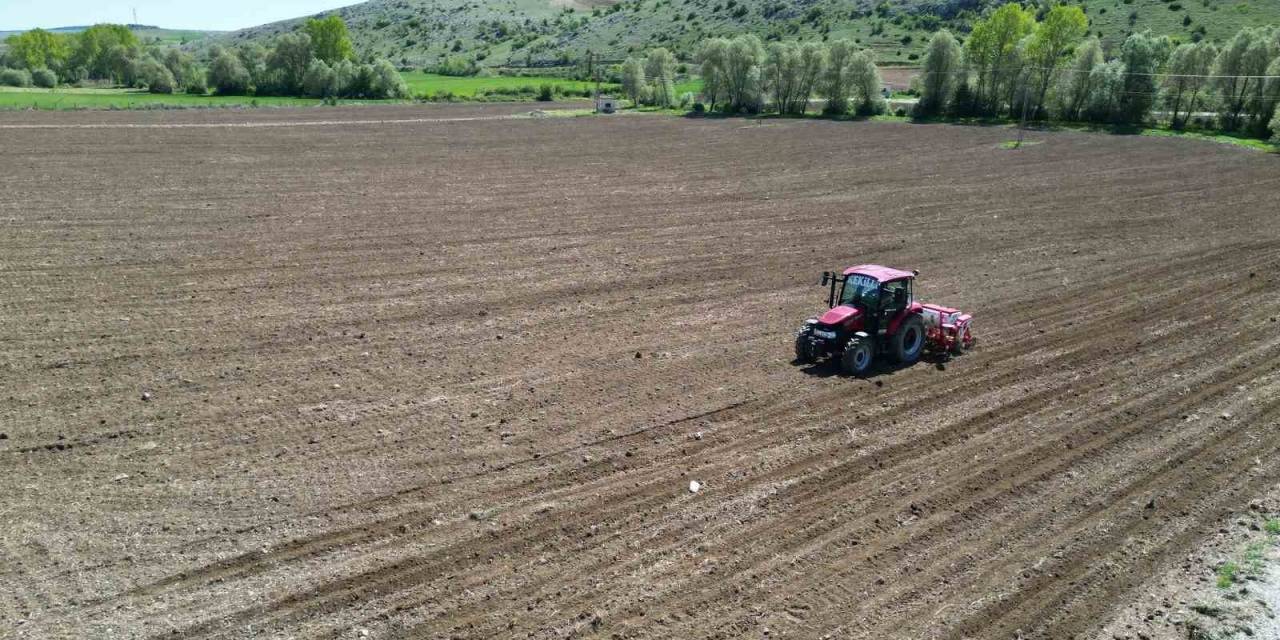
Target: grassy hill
{"x":522,"y":32}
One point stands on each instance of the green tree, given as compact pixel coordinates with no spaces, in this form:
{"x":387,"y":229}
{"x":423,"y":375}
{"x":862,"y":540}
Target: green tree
{"x":864,"y":78}
{"x":155,"y":75}
{"x":743,"y":85}
{"x":1241,"y":61}
{"x":813,"y":59}
{"x":228,"y":76}
{"x":386,"y":82}
{"x":992,"y":52}
{"x":1142,"y":56}
{"x":1107,"y":93}
{"x":1189,"y":68}
{"x":633,"y":79}
{"x":712,"y":61}
{"x":39,"y":49}
{"x":320,"y":81}
{"x":781,"y":74}
{"x":835,"y":85}
{"x":288,"y":63}
{"x":1077,"y":85}
{"x":1052,"y":39}
{"x":92,"y":45}
{"x":330,"y":40}
{"x":1269,"y":101}
{"x":660,"y":68}
{"x":183,"y":67}
{"x":943,"y":67}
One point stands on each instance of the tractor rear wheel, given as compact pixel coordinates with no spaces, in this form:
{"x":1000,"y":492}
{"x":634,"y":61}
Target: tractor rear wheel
{"x":908,"y":342}
{"x":857,"y":357}
{"x":804,"y":352}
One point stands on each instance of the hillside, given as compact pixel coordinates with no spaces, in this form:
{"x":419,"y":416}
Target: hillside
{"x":522,"y":32}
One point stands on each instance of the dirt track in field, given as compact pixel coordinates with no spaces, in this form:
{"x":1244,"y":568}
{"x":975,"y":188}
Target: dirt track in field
{"x":452,"y":379}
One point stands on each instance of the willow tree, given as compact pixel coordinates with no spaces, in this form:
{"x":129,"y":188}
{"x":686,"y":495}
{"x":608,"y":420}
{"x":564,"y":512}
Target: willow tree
{"x":711,"y":58}
{"x":943,"y":68}
{"x":1238,"y":70}
{"x":1188,"y":76}
{"x":992,"y":52}
{"x":1078,"y":85}
{"x":1052,"y":40}
{"x":632,"y":79}
{"x":660,"y":68}
{"x":835,"y":85}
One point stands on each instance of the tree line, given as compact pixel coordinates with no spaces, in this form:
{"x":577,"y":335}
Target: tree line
{"x":743,"y":75}
{"x":316,"y":61}
{"x":1013,"y":64}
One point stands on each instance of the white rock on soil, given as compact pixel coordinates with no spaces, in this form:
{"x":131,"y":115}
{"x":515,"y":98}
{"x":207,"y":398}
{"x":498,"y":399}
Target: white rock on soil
{"x":695,"y":486}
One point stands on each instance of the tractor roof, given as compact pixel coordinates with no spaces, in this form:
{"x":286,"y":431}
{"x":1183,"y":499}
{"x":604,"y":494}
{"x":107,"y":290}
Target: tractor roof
{"x":881,"y":273}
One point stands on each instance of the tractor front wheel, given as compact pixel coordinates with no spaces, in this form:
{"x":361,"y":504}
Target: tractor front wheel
{"x":804,"y":352}
{"x":857,"y":357}
{"x":908,"y":342}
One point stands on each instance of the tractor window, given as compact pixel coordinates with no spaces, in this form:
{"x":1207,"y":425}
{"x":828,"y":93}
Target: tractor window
{"x":860,"y":291}
{"x":896,"y":295}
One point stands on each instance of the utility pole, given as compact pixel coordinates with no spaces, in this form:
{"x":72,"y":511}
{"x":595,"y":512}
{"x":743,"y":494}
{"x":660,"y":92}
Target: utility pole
{"x":135,"y":15}
{"x":1022,"y":126}
{"x":595,"y":71}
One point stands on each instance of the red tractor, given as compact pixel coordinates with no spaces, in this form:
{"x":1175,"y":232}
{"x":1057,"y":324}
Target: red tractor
{"x":873,"y":312}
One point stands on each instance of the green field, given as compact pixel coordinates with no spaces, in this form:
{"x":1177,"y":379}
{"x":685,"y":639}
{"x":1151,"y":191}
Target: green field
{"x":73,"y":98}
{"x":469,"y":87}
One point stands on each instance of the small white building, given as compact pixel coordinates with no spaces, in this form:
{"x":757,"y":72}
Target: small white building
{"x":606,"y":104}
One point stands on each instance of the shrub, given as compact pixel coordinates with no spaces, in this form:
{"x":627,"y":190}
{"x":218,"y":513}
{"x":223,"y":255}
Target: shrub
{"x":45,"y":78}
{"x":156,"y":76}
{"x":319,"y":81}
{"x":228,"y":76}
{"x":15,"y":78}
{"x":546,"y":93}
{"x":386,"y":82}
{"x":197,"y":85}
{"x":699,"y":108}
{"x":456,"y":66}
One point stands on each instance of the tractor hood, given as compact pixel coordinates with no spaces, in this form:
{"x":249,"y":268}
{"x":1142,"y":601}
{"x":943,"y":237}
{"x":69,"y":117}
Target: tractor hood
{"x":839,"y":315}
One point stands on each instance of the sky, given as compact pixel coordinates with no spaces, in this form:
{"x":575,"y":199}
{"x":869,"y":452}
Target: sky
{"x":220,"y":15}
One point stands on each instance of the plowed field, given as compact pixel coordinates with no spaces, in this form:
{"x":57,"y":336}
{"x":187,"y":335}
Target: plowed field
{"x":414,"y":372}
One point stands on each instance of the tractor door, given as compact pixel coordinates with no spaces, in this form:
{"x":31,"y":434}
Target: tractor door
{"x":895,"y":297}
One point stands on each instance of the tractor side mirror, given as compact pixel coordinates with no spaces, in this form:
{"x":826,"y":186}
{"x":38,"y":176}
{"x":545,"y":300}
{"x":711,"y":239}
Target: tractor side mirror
{"x":826,"y":277}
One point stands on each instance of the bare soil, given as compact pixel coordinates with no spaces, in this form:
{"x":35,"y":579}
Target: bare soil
{"x":452,"y":378}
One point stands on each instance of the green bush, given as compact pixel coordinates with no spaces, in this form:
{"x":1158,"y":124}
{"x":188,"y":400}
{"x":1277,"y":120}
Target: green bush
{"x":228,"y":75}
{"x":386,"y":82}
{"x":546,"y":93}
{"x":197,"y":85}
{"x":319,"y":81}
{"x":15,"y":78}
{"x":45,"y":78}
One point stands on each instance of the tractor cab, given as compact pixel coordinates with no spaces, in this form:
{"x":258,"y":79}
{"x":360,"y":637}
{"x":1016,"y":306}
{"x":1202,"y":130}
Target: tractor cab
{"x":878,"y":295}
{"x":871,"y":310}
